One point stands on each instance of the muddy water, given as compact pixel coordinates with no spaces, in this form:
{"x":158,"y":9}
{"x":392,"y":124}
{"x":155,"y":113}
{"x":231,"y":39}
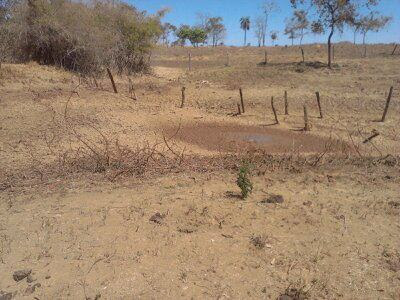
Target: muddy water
{"x":233,"y":137}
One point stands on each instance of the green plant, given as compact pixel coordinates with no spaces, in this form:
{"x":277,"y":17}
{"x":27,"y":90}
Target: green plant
{"x":243,"y":181}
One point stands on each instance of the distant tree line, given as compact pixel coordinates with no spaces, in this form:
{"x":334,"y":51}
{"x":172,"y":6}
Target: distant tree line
{"x":210,"y":30}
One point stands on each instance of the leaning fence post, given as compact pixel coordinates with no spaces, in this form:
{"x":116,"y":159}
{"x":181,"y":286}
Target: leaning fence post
{"x":319,"y":104}
{"x":306,"y":125}
{"x":387,"y":104}
{"x":286,"y":104}
{"x":274,"y":111}
{"x":241,"y":99}
{"x":183,"y":97}
{"x":394,"y":50}
{"x":112,"y":81}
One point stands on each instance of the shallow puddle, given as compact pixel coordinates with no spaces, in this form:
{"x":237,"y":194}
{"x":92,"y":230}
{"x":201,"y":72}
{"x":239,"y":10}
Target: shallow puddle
{"x":233,"y":137}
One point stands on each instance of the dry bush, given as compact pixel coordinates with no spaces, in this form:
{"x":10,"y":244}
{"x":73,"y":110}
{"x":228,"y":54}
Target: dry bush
{"x":80,"y":36}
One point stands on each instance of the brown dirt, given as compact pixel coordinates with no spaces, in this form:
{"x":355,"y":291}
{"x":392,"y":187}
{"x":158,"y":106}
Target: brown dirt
{"x":141,"y":217}
{"x":236,"y":138}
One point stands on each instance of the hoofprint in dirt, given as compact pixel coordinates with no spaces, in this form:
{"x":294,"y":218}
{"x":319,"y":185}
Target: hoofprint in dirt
{"x":335,"y":235}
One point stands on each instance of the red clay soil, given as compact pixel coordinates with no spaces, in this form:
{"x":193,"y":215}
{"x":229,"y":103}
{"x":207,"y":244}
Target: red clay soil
{"x":233,"y":137}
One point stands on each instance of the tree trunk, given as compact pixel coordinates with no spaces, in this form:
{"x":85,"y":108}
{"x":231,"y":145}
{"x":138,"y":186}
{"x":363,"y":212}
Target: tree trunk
{"x":301,"y":37}
{"x":245,"y":37}
{"x":355,"y":36}
{"x":329,"y":48}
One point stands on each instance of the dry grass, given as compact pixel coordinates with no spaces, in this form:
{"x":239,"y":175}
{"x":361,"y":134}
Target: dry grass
{"x":84,"y":171}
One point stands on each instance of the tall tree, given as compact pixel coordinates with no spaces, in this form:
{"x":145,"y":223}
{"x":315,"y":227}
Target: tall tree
{"x":372,"y":22}
{"x":291,"y":30}
{"x":167,"y":29}
{"x":216,"y":30}
{"x":245,"y":25}
{"x":355,"y":25}
{"x":259,"y":29}
{"x":334,"y":14}
{"x":268,"y":7}
{"x":301,"y":23}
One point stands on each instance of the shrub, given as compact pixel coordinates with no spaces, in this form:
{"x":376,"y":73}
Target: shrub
{"x":81,"y":36}
{"x":243,"y":180}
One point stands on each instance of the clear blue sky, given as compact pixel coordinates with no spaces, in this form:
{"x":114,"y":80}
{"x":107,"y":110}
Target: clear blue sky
{"x":184,"y":12}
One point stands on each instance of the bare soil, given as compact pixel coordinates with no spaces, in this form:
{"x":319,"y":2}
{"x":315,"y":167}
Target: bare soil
{"x":103,"y":196}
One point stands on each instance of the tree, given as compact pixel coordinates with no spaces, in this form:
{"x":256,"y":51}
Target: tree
{"x":334,"y":14}
{"x":259,"y":30}
{"x":268,"y":7}
{"x":167,"y":29}
{"x":355,"y":25}
{"x":301,"y":23}
{"x":274,"y":37}
{"x":183,"y":34}
{"x":290,"y":30}
{"x":197,"y":36}
{"x":216,"y":30}
{"x":245,"y":25}
{"x":372,"y":22}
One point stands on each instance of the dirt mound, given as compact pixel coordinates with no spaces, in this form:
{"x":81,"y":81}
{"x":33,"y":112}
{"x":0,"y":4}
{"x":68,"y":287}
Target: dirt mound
{"x":234,"y":137}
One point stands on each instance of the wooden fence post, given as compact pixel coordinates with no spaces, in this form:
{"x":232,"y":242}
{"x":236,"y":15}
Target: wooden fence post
{"x":112,"y":81}
{"x":265,"y":57}
{"x":306,"y":125}
{"x":286,"y":104}
{"x":302,"y":53}
{"x":190,"y":61}
{"x":394,"y":50}
{"x":387,"y":104}
{"x":241,"y":99}
{"x":183,"y":97}
{"x":274,"y":110}
{"x":239,"y":112}
{"x":319,"y":105}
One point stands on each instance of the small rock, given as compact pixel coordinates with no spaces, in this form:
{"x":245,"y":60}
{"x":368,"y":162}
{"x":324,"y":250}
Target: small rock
{"x":31,"y":289}
{"x":273,"y":199}
{"x":29,"y":279}
{"x":48,"y":277}
{"x":21,"y":274}
{"x":5,"y":295}
{"x":157,"y":218}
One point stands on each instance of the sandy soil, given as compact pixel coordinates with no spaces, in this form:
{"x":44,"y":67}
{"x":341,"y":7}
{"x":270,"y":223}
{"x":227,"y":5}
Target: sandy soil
{"x":102,"y":196}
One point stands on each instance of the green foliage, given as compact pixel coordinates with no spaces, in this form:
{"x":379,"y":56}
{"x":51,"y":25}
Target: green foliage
{"x":243,"y":181}
{"x":195,"y":35}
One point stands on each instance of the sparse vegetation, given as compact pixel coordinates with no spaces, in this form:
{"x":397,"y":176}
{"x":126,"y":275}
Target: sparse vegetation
{"x":243,"y":180}
{"x":146,"y":171}
{"x":83,"y":37}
